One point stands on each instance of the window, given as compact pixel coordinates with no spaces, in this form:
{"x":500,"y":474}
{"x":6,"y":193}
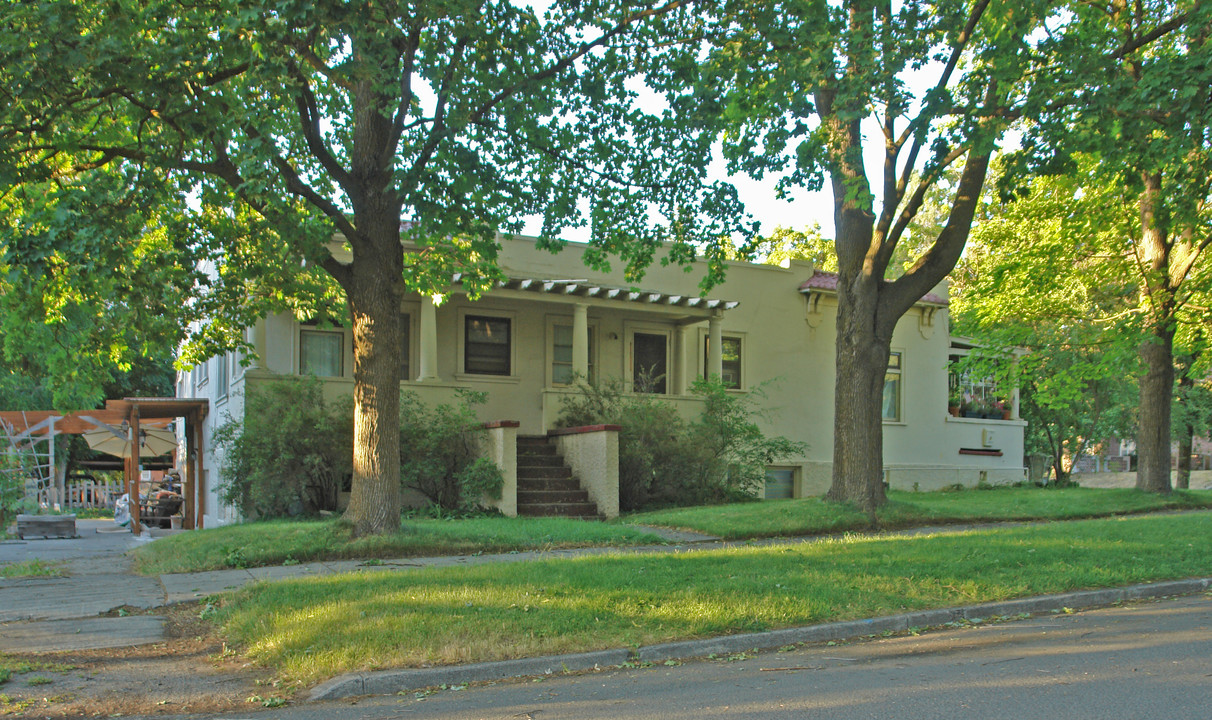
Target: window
{"x":202,"y":373}
{"x":321,"y":353}
{"x":405,"y":347}
{"x":891,"y":405}
{"x":486,"y":348}
{"x":221,"y":376}
{"x":561,"y":354}
{"x":649,"y":362}
{"x":732,"y":361}
{"x":780,"y":483}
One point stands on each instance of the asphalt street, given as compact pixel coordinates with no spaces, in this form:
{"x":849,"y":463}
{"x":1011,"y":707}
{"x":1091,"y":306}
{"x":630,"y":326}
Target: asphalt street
{"x":1147,"y":660}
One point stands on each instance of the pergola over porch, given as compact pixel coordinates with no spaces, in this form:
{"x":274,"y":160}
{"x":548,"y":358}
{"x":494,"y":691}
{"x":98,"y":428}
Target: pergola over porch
{"x":131,"y":413}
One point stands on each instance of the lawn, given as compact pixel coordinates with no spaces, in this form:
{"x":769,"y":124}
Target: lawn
{"x":813,"y":516}
{"x":32,"y":568}
{"x":314,"y":628}
{"x":283,"y":542}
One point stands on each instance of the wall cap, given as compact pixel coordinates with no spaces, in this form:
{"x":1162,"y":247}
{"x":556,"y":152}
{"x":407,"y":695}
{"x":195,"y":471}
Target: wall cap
{"x":583,"y":430}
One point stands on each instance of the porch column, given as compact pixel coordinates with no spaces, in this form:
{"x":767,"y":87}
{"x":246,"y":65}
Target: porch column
{"x":715,"y":349}
{"x":580,"y":340}
{"x":429,"y":339}
{"x":683,"y":361}
{"x":257,"y":338}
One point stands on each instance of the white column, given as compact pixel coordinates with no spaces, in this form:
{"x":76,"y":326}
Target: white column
{"x":257,"y":338}
{"x":580,"y":340}
{"x":429,"y":339}
{"x":683,"y":360}
{"x":715,"y":349}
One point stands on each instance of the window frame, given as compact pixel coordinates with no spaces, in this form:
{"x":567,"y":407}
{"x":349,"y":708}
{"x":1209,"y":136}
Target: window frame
{"x":705,"y":346}
{"x":631,"y":331}
{"x":899,"y":372}
{"x":512,"y":318}
{"x":567,"y":321}
{"x":313,"y":331}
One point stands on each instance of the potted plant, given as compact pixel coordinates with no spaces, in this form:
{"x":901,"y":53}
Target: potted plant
{"x":955,"y":402}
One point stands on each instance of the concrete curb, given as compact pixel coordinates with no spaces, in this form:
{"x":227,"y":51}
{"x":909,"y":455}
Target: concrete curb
{"x":393,"y":681}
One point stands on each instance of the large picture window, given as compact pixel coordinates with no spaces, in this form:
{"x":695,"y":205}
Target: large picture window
{"x":321,"y":353}
{"x":486,"y":345}
{"x":891,"y":405}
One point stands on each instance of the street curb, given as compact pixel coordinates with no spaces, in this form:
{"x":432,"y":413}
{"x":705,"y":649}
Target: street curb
{"x":389,"y":682}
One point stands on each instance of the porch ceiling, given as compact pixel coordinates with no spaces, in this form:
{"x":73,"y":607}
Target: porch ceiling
{"x":572,"y":290}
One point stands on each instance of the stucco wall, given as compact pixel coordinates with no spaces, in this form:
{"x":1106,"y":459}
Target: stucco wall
{"x":787,"y":351}
{"x":593,"y":455}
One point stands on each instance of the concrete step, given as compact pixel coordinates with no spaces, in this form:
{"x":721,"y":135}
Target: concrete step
{"x":587,"y":509}
{"x":551,"y":460}
{"x":540,"y":497}
{"x":535,"y":484}
{"x":532,"y":472}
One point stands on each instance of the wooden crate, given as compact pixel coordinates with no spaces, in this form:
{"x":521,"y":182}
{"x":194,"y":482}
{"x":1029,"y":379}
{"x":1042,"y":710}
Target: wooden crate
{"x":46,"y":526}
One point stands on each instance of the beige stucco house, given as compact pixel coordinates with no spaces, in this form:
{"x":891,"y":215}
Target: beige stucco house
{"x":764,"y":326}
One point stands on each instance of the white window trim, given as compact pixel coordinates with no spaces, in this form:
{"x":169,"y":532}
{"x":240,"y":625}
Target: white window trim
{"x":701,"y":356}
{"x":549,"y":343}
{"x":461,"y":341}
{"x":629,"y":331}
{"x":900,"y":400}
{"x":222,"y":376}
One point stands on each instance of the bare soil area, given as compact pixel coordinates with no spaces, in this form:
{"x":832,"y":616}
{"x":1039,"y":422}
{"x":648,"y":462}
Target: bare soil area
{"x":1200,"y":480}
{"x":193,"y":672}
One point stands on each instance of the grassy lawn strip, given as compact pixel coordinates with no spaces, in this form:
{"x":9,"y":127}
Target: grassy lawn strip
{"x":812,"y":516}
{"x":315,"y":628}
{"x":286,"y":542}
{"x":32,"y":568}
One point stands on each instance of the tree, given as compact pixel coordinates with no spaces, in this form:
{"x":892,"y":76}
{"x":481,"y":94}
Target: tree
{"x":1045,"y":277}
{"x":824,"y":77}
{"x":411,"y":132}
{"x":1147,"y":118}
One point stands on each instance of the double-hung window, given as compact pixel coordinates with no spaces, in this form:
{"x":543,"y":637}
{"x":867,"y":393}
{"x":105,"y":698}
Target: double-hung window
{"x":731,"y":367}
{"x":890,"y":407}
{"x":486,"y":345}
{"x":561,"y":355}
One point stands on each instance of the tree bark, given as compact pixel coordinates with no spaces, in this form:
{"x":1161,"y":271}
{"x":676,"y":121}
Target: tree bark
{"x":858,"y":426}
{"x":374,"y":299}
{"x":1156,"y":350}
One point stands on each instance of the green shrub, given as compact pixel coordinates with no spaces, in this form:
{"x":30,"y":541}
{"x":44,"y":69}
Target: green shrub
{"x":292,"y":452}
{"x":664,"y":460}
{"x":440,"y":452}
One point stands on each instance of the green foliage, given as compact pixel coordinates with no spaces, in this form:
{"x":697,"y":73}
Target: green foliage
{"x":291,"y":453}
{"x":720,"y":456}
{"x":439,"y":451}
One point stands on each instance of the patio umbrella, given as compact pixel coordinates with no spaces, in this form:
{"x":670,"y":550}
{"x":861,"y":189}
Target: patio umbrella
{"x":153,"y":442}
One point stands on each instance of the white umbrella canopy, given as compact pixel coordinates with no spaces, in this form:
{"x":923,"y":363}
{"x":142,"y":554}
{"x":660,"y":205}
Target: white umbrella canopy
{"x":153,"y":442}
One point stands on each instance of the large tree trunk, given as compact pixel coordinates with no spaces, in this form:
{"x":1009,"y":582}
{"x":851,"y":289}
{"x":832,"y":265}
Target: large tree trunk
{"x":375,"y":501}
{"x":858,"y":430}
{"x":1156,"y":350}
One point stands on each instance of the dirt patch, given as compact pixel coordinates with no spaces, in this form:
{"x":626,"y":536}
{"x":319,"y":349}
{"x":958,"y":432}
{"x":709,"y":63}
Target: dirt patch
{"x":1200,"y":480}
{"x":193,"y":671}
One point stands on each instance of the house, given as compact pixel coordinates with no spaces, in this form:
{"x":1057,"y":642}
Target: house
{"x":766,"y":326}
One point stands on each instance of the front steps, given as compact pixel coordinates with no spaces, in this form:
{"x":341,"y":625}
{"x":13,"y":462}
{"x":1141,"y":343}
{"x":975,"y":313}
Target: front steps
{"x":546,"y":487}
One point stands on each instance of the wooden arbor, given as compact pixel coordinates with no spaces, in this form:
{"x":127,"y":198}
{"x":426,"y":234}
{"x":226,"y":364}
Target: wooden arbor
{"x":135,"y":412}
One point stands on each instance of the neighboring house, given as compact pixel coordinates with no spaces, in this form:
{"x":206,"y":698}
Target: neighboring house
{"x":765,"y":326}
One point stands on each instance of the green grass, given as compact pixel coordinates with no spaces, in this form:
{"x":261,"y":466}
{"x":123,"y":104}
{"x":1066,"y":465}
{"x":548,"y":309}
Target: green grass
{"x":288,"y":542}
{"x":314,"y":628}
{"x":32,"y":568}
{"x":10,"y":667}
{"x":813,"y":516}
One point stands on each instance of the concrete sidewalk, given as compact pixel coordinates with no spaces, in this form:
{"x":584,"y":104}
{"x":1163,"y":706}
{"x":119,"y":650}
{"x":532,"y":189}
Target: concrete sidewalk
{"x":53,"y":614}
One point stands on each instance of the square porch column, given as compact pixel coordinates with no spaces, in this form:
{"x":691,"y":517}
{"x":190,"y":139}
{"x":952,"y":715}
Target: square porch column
{"x":429,"y":340}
